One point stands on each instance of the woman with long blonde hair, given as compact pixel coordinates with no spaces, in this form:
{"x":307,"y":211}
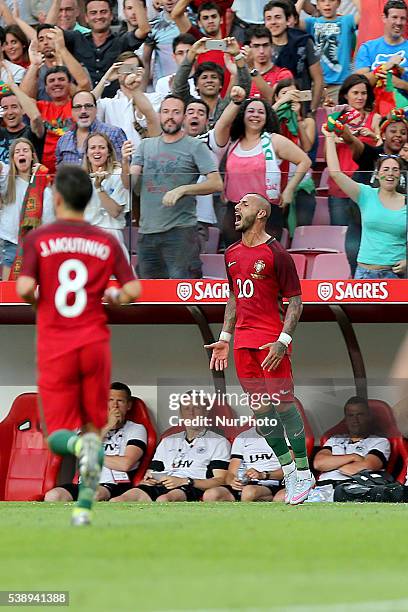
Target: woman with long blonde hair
{"x":22,"y":180}
{"x":110,"y":200}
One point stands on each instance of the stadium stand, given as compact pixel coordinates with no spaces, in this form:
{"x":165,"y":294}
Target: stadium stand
{"x":213,"y":265}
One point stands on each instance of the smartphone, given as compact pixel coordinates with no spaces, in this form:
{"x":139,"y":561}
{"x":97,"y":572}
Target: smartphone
{"x":216,"y":45}
{"x":128,"y":69}
{"x":305,"y":95}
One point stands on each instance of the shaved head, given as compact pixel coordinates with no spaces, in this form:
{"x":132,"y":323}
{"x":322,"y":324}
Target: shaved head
{"x":252,"y":208}
{"x":262,"y":202}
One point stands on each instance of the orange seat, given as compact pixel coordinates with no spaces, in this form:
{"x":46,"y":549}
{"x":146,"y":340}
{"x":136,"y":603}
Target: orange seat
{"x":27,"y":468}
{"x":384,"y":425}
{"x":140,"y":414}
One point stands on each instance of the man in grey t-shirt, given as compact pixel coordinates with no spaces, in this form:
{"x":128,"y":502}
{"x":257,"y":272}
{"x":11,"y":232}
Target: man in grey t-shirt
{"x":170,"y":165}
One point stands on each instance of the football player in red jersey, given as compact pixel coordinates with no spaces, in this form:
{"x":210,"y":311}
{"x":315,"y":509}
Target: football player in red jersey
{"x":72,"y":262}
{"x":260,"y":274}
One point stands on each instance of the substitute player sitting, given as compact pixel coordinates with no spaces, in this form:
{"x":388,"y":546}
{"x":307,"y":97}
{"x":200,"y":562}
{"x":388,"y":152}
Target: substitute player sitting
{"x":260,"y":274}
{"x":254,"y":472}
{"x":72,"y":263}
{"x":185,"y":464}
{"x":124,"y":443}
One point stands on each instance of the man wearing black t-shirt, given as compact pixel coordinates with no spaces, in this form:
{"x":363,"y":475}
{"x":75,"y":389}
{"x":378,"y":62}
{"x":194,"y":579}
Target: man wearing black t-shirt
{"x":14,"y":106}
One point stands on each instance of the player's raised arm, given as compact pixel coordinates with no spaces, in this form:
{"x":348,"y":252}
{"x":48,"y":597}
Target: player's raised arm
{"x":220,"y":349}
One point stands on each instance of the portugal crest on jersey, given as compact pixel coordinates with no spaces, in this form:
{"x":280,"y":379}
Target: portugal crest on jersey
{"x":259,"y":266}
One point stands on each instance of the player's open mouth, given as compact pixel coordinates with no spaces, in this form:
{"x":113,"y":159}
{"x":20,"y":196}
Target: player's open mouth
{"x":237,"y":218}
{"x":194,"y":123}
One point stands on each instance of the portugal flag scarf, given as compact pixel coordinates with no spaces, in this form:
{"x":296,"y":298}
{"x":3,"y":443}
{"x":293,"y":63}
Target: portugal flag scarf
{"x":31,"y":213}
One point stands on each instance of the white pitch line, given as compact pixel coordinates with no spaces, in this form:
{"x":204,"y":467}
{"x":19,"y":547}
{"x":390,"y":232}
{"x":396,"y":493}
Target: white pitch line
{"x":392,"y":605}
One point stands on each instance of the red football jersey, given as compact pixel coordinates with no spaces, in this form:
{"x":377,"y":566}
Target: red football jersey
{"x":72,"y":261}
{"x":260,"y":277}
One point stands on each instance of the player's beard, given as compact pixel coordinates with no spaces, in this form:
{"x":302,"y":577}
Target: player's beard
{"x":247,"y":223}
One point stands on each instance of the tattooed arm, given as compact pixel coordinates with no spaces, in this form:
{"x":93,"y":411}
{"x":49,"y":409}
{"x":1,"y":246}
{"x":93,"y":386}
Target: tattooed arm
{"x":220,"y":349}
{"x":293,"y":312}
{"x":277,"y":349}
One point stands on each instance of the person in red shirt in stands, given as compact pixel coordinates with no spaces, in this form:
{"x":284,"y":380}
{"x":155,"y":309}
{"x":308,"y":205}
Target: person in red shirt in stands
{"x":56,"y":114}
{"x":72,"y":263}
{"x":260,"y":273}
{"x":209,"y":22}
{"x":264,"y":73}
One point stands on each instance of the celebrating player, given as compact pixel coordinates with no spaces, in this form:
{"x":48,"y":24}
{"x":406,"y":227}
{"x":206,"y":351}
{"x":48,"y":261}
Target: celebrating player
{"x":260,"y":273}
{"x":72,"y":262}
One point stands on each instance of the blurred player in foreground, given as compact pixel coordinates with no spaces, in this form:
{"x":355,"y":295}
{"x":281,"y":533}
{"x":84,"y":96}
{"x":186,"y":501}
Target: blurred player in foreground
{"x":260,"y":274}
{"x":72,"y":263}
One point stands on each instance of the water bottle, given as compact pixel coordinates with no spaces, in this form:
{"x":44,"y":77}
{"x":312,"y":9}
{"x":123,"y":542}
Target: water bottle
{"x":241,"y":473}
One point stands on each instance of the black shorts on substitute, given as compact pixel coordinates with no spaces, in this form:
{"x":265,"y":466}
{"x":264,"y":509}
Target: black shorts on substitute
{"x":191,"y":493}
{"x":115,"y":488}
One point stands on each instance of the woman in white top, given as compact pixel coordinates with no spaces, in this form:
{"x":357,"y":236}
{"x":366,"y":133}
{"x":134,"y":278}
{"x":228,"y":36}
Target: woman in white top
{"x":110,"y":200}
{"x":14,"y":182}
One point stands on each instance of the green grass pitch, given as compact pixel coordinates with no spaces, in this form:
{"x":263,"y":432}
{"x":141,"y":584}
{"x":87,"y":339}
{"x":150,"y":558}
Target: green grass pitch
{"x":215,"y":557}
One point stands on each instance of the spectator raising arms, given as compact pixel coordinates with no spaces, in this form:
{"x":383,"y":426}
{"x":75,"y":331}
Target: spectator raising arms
{"x":357,"y":93}
{"x":382,"y":252}
{"x":209,"y":77}
{"x":302,"y":131}
{"x":253,"y":159}
{"x":171,"y":165}
{"x":17,"y":189}
{"x":110,"y":199}
{"x":130,"y":109}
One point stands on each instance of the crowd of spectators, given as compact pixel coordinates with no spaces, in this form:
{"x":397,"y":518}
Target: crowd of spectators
{"x":178,"y":108}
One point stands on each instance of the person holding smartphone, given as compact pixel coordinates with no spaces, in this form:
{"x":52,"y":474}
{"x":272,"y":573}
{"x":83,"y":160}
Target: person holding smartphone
{"x":130,"y":109}
{"x":289,"y":106}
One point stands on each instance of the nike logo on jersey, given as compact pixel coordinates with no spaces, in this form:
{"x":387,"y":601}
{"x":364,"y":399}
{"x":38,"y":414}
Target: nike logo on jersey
{"x":231,"y":263}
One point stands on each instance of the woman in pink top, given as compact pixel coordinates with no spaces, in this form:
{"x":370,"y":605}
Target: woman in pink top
{"x":253,"y":158}
{"x":357,"y":93}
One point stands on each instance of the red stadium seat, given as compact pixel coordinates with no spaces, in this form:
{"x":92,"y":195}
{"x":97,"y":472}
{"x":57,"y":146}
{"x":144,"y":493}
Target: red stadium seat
{"x":313,"y":240}
{"x":331,"y":266}
{"x":329,"y":238}
{"x":321,"y":215}
{"x":300,"y":264}
{"x":213,"y":265}
{"x":384,"y":425}
{"x":140,"y":414}
{"x":28,"y":469}
{"x":211,"y":246}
